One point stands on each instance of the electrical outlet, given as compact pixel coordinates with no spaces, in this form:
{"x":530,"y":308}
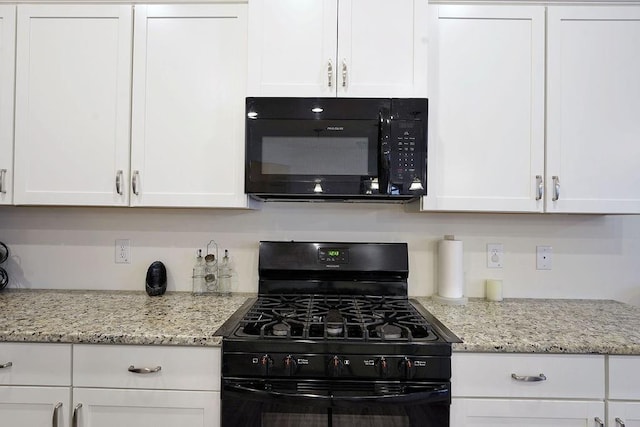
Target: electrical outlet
{"x":123,"y":251}
{"x":495,"y":255}
{"x":544,"y":257}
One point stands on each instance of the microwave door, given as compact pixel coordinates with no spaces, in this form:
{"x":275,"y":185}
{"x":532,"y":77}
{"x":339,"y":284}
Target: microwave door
{"x":312,"y":157}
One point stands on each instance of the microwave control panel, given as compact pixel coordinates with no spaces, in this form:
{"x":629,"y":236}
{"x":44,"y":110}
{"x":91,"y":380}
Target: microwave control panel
{"x":407,"y":153}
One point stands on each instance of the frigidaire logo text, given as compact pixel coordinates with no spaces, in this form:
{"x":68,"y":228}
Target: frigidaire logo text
{"x":335,"y":128}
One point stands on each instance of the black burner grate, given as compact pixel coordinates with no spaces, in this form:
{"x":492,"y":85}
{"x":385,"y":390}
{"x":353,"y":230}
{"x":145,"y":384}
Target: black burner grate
{"x":335,"y":317}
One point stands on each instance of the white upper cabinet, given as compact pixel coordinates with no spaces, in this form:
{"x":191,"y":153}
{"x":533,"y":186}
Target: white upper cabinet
{"x":7,"y":61}
{"x":486,"y":112}
{"x":351,"y":48}
{"x":593,"y":109}
{"x":189,"y":84}
{"x":73,"y":79}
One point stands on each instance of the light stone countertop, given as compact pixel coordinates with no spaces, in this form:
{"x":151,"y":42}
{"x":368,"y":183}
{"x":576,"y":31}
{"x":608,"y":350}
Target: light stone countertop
{"x":179,"y":318}
{"x":114,"y":317}
{"x":541,"y":325}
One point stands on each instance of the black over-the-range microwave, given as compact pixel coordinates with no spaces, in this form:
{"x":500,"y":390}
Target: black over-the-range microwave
{"x":350,"y":149}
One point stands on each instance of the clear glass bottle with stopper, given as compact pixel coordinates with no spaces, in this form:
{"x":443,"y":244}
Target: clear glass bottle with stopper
{"x":226,"y":275}
{"x":211,"y":266}
{"x":199,"y":283}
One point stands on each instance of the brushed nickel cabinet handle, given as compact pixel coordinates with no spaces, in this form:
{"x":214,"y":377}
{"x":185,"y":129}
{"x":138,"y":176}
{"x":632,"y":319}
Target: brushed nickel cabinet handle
{"x":528,"y":378}
{"x":329,"y":73}
{"x":56,"y":410}
{"x":74,"y":418}
{"x":6,"y":365}
{"x":144,"y":370}
{"x":556,"y":188}
{"x":619,"y":422}
{"x":134,"y":182}
{"x":344,"y":73}
{"x":599,"y":421}
{"x":119,"y":182}
{"x":3,"y":176}
{"x":539,"y":187}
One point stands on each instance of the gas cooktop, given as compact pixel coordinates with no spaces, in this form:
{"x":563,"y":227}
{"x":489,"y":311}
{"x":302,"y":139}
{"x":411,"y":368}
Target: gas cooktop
{"x":334,"y":317}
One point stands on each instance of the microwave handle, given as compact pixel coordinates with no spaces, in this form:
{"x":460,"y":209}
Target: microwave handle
{"x":384,"y":150}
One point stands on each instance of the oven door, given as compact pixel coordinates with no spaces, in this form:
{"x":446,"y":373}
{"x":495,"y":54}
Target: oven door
{"x":317,"y":403}
{"x":312,"y":157}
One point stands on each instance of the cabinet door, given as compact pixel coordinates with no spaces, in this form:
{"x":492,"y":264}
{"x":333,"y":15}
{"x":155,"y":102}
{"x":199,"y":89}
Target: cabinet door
{"x":189,"y":80}
{"x":382,"y":48}
{"x":627,"y":413}
{"x":7,"y":67}
{"x":73,"y":78}
{"x":593,"y":109}
{"x":532,"y":413}
{"x":292,"y":48}
{"x":146,"y":408}
{"x":486,"y":118}
{"x":34,"y":406}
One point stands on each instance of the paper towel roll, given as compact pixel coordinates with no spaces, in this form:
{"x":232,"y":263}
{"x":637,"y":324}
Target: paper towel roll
{"x":450,"y":269}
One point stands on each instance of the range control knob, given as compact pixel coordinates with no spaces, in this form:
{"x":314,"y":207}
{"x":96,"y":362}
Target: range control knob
{"x":290,"y":365}
{"x":407,"y":368}
{"x":382,"y":367}
{"x":335,"y":366}
{"x":266,"y":363}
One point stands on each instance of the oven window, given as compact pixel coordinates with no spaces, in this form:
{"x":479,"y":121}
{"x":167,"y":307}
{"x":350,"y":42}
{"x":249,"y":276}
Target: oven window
{"x":285,"y":419}
{"x":338,"y":420}
{"x":299,"y":155}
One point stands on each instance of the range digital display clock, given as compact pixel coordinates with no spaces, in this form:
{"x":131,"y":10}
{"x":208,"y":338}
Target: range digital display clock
{"x":333,"y":255}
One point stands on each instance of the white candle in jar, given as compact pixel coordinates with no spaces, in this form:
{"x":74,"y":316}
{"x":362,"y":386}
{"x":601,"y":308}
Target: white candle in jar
{"x":493,"y":290}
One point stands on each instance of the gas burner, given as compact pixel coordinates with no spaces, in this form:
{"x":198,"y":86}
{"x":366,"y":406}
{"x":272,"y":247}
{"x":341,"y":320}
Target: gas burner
{"x":280,"y":330}
{"x":390,"y":332}
{"x":334,"y":323}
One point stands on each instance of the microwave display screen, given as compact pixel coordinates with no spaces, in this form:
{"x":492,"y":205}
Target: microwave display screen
{"x":312,"y":155}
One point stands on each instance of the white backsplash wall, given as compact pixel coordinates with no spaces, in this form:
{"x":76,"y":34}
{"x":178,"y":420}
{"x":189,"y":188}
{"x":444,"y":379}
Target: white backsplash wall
{"x":73,"y":248}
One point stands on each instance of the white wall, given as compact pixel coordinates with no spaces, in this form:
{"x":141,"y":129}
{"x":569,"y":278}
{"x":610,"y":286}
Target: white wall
{"x":73,"y":248}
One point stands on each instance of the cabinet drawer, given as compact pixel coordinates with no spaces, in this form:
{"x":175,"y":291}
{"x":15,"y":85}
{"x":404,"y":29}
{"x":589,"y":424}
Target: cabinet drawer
{"x":490,"y":375}
{"x":35,"y":364}
{"x":624,"y":377}
{"x":181,"y":368}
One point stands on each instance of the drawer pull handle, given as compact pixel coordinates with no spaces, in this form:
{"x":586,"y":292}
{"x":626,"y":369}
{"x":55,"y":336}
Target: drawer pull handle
{"x":56,"y":410}
{"x":74,"y":418}
{"x":599,"y":421}
{"x":144,"y":370}
{"x":619,"y":422}
{"x":6,"y":365}
{"x":529,"y":379}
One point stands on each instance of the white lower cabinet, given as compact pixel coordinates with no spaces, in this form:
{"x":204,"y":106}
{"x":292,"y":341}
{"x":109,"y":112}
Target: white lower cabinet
{"x":35,"y":406}
{"x":623,"y":399}
{"x":474,"y":412}
{"x":146,"y":386}
{"x":97,"y":407}
{"x":35,"y":391}
{"x":526,"y":389}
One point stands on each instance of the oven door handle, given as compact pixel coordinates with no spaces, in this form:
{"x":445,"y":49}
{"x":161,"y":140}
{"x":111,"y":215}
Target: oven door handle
{"x":415,"y":394}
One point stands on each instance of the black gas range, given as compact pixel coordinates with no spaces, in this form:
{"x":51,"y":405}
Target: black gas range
{"x":332,"y":340}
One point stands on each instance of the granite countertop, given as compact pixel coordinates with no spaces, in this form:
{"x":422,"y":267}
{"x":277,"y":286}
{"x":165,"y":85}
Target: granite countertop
{"x":114,"y":317}
{"x":542,"y":325}
{"x":180,"y":318}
